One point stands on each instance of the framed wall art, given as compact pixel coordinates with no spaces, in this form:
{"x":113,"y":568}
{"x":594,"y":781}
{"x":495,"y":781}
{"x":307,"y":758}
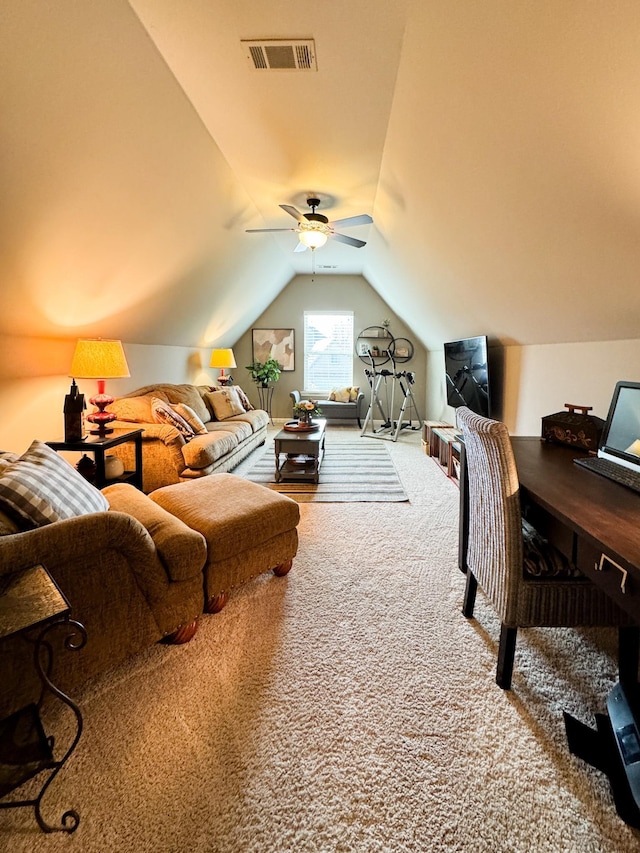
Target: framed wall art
{"x":274,"y":343}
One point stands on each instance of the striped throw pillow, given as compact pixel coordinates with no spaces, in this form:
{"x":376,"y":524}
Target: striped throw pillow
{"x":41,"y":487}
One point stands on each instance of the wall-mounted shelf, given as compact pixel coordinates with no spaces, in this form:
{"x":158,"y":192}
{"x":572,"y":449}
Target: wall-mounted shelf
{"x":372,"y":345}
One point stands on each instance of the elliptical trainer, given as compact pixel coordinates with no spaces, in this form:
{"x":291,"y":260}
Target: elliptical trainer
{"x":383,"y":382}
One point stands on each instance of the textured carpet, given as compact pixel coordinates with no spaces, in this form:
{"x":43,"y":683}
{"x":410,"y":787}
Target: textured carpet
{"x":346,"y":708}
{"x":360,"y":470}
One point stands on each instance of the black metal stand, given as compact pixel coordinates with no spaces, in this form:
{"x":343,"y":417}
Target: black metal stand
{"x":25,"y":749}
{"x":598,"y":748}
{"x":266,"y":399}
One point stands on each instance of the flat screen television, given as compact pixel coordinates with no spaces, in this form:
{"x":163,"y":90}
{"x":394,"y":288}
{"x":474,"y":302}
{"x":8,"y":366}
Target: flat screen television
{"x":466,"y":365}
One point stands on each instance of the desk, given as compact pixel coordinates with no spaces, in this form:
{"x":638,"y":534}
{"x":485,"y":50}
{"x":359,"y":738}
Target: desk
{"x":583,"y":514}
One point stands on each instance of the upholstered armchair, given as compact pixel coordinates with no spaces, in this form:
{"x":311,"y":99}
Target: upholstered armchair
{"x":526,"y":580}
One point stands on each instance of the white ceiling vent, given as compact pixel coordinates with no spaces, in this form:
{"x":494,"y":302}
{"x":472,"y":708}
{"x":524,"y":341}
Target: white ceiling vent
{"x":280,"y":54}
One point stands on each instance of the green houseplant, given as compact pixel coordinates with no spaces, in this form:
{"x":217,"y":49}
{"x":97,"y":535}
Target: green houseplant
{"x":263,"y":373}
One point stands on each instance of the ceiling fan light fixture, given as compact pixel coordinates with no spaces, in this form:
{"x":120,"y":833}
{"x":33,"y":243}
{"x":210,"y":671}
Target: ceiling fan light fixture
{"x":313,"y":239}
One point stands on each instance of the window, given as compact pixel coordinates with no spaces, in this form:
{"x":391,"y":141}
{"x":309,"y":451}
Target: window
{"x":328,"y":350}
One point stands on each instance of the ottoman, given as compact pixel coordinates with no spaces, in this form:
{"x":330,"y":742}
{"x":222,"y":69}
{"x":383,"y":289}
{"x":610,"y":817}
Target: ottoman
{"x":249,"y":529}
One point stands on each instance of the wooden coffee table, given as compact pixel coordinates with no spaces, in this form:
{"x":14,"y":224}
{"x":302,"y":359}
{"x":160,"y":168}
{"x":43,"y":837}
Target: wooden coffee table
{"x":299,"y":454}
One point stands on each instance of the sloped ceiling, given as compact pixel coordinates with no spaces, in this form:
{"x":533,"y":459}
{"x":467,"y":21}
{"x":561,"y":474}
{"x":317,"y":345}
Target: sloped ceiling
{"x":495,"y":144}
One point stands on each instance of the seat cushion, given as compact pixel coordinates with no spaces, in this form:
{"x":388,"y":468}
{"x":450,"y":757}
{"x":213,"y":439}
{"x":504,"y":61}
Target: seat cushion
{"x":231,"y":513}
{"x":204,"y":450}
{"x":257,"y":418}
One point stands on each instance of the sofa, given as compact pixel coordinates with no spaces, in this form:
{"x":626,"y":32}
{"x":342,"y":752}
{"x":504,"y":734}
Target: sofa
{"x":190,"y":431}
{"x":342,"y":404}
{"x":132,"y":574}
{"x":135,"y":568}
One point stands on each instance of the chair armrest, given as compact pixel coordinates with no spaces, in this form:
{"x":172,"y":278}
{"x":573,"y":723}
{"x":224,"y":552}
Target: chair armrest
{"x":183,"y":551}
{"x":295,"y":396}
{"x":74,"y":542}
{"x":166,"y":433}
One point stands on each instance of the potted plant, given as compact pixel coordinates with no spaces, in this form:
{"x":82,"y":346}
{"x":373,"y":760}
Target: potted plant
{"x":263,"y":373}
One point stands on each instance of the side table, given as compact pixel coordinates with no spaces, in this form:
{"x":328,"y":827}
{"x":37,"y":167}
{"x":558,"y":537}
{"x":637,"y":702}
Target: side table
{"x":32,"y":605}
{"x":266,"y":398}
{"x":99,"y":447}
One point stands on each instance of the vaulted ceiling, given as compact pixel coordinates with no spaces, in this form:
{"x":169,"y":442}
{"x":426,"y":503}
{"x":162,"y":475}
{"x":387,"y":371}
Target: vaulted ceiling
{"x":496,"y":145}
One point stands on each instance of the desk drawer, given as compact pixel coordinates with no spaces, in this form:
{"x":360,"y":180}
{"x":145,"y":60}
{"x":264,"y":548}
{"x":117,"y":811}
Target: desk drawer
{"x":608,"y":574}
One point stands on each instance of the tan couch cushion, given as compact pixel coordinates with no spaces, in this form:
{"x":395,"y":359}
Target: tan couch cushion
{"x":241,"y":428}
{"x":202,"y":450}
{"x":190,"y":396}
{"x":135,"y":409}
{"x":257,"y":419}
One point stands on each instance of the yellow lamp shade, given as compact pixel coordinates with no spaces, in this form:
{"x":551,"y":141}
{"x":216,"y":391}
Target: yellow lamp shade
{"x":222,"y":358}
{"x":95,"y":358}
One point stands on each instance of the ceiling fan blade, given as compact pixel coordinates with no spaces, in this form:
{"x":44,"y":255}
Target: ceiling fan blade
{"x":363,"y":219}
{"x":257,"y":230}
{"x":300,"y":247}
{"x":293,"y":212}
{"x":350,"y":241}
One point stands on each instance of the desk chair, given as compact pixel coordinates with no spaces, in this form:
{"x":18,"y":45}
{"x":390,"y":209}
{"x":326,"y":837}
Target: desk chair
{"x":528,"y":582}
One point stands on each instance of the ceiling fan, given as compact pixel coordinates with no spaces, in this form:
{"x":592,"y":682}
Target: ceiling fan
{"x":314,"y":229}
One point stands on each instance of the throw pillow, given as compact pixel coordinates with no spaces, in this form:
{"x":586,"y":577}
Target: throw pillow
{"x":244,"y":399}
{"x":224,"y":403}
{"x":7,"y":525}
{"x":340,"y":395}
{"x":542,"y":560}
{"x":6,"y":458}
{"x":164,"y":414}
{"x":41,"y":487}
{"x":190,"y":417}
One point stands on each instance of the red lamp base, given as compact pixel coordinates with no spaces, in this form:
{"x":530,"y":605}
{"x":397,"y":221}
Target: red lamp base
{"x":101,"y":418}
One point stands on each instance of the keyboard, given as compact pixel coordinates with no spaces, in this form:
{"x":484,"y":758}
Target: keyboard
{"x":611,"y":470}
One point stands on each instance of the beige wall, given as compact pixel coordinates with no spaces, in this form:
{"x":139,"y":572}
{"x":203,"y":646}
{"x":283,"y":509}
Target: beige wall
{"x":539,"y":379}
{"x":323,"y":293}
{"x":34,"y":380}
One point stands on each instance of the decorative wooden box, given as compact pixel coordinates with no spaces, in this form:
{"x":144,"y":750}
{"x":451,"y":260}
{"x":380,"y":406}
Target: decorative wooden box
{"x":574,"y":427}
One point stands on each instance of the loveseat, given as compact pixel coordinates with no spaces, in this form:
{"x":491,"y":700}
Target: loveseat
{"x":224,"y":429}
{"x":134,"y":568}
{"x":342,"y":404}
{"x":132,"y":574}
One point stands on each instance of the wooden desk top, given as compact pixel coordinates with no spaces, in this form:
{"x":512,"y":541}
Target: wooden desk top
{"x":603,"y":512}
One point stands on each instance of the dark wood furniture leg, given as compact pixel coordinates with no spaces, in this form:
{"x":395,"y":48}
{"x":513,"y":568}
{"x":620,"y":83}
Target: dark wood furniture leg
{"x":506,"y":656}
{"x":628,"y":654}
{"x":469,"y":595}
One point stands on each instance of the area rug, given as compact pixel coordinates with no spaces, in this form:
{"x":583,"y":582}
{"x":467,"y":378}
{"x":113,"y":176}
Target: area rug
{"x":358,"y":471}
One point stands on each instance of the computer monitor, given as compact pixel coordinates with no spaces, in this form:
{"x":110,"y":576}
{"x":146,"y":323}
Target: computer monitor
{"x":620,"y":440}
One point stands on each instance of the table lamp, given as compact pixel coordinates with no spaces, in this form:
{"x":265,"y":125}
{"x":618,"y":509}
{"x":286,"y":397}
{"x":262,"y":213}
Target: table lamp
{"x":99,"y":359}
{"x":223,"y":358}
